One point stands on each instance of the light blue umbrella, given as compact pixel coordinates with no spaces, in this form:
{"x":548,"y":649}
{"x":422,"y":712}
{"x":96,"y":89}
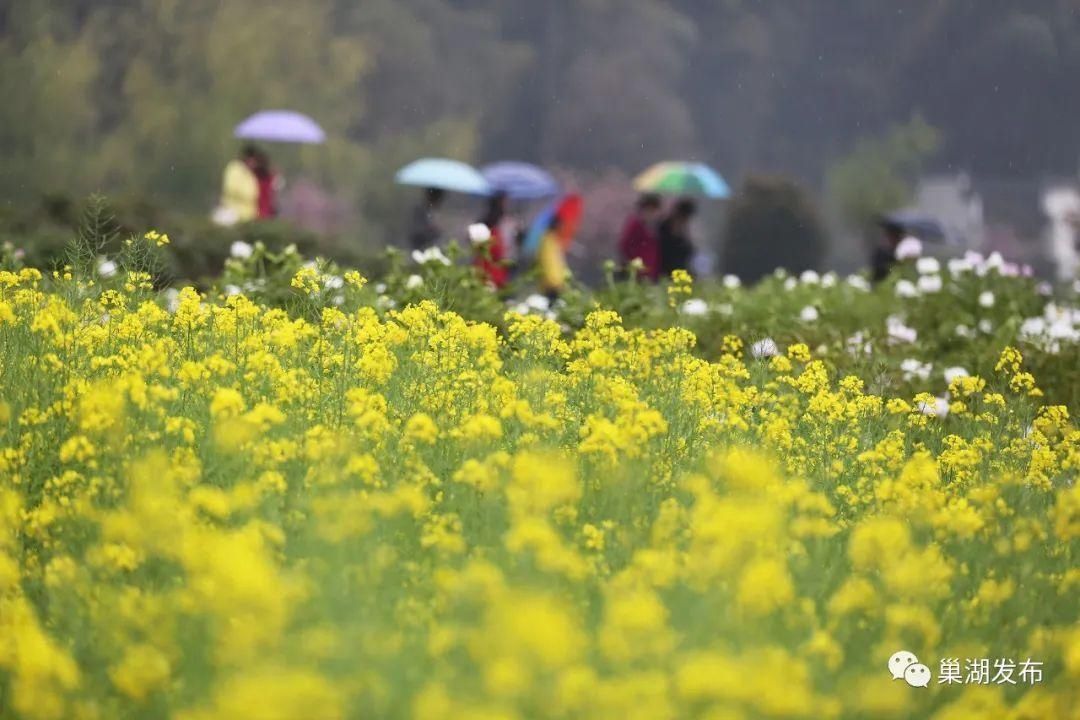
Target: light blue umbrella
{"x":520,"y":180}
{"x":280,"y":126}
{"x":445,"y":174}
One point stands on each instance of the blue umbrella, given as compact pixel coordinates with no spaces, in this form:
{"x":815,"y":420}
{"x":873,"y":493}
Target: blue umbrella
{"x":280,"y":126}
{"x":924,"y":227}
{"x":520,"y":180}
{"x":538,"y":227}
{"x":444,"y":174}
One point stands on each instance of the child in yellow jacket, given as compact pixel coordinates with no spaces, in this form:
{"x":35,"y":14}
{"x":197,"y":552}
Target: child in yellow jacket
{"x":552,"y":261}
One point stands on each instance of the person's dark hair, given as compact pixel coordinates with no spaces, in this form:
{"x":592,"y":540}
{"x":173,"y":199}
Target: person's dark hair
{"x":648,"y":201}
{"x":249,"y":152}
{"x":496,"y":209}
{"x":261,"y":163}
{"x":434,"y":196}
{"x":685,"y":208}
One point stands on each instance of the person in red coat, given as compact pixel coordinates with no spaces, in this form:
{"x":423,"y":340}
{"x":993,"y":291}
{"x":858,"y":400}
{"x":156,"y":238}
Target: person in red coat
{"x":491,"y":255}
{"x":268,"y":185}
{"x":639,"y":240}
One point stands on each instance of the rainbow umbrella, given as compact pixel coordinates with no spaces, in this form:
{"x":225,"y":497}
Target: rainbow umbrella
{"x":682,"y":178}
{"x":568,"y":209}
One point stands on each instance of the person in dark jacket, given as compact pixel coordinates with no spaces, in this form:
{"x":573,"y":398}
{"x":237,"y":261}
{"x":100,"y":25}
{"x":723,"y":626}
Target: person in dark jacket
{"x":423,"y":230}
{"x":884,"y":256}
{"x":676,"y":247}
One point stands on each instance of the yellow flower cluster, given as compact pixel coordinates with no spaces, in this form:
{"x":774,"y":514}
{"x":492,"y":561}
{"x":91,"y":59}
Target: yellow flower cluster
{"x":220,"y":510}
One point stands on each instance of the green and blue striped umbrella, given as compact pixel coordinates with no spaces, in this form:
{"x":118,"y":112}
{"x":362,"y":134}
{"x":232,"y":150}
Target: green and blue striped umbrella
{"x":682,"y":178}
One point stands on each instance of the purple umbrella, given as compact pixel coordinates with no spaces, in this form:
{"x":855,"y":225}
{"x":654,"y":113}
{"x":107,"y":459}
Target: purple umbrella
{"x":280,"y":126}
{"x":520,"y":181}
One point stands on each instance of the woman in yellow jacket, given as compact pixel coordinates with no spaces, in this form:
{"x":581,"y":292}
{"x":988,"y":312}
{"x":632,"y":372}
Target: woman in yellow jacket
{"x":239,"y":190}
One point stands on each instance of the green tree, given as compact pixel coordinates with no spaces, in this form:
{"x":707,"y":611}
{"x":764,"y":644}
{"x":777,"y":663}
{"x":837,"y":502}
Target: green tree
{"x":772,"y":223}
{"x":878,"y":174}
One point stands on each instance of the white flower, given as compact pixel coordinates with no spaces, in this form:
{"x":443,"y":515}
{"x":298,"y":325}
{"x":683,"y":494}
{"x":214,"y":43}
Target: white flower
{"x":912,"y":368}
{"x":479,"y":233}
{"x":764,"y":348}
{"x":241,"y":249}
{"x":995,"y":261}
{"x":929,"y":283}
{"x":520,"y":308}
{"x":1045,"y":289}
{"x":859,"y":282}
{"x":725,"y":309}
{"x":232,"y":290}
{"x":172,"y":299}
{"x":808,"y":314}
{"x":432,"y":254}
{"x":1032,"y":328}
{"x":106,"y":268}
{"x":536,"y":301}
{"x":959,"y":266}
{"x":413,"y":282}
{"x":964,"y":331}
{"x":857,"y":345}
{"x":939,"y":407}
{"x":986,"y":299}
{"x":828,"y":280}
{"x":954,"y":372}
{"x":380,"y":288}
{"x":334,"y":282}
{"x":338,"y":299}
{"x":928,"y":266}
{"x":791,"y":283}
{"x":809,"y":277}
{"x":694,"y":306}
{"x":385,"y":302}
{"x":985,"y":326}
{"x":906,"y":289}
{"x":898,"y":331}
{"x":909,"y":247}
{"x":732,"y":281}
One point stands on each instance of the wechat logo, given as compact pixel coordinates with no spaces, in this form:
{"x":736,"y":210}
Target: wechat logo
{"x":903,"y":665}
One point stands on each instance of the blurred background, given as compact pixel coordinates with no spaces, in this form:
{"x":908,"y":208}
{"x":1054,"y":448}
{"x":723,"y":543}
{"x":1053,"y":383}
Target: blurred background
{"x":964,"y":110}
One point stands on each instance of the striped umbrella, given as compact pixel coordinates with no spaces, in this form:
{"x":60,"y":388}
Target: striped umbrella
{"x":682,"y":178}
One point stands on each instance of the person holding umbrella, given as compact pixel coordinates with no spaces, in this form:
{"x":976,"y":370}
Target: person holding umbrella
{"x":437,"y":176}
{"x":676,"y":247}
{"x":676,"y":177}
{"x":491,"y":250}
{"x":551,"y":233}
{"x":249,"y":185}
{"x":424,"y":231}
